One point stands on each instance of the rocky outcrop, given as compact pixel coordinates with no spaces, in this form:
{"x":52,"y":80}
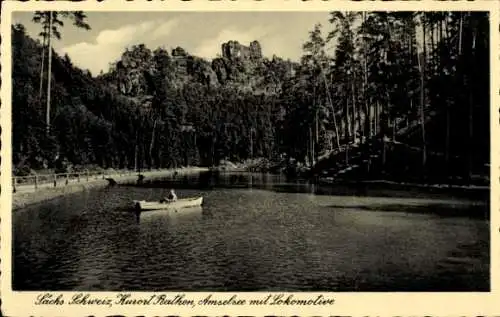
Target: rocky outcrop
{"x":233,"y":51}
{"x":255,"y":50}
{"x":239,"y":64}
{"x":131,"y":82}
{"x":202,"y":71}
{"x":133,"y":71}
{"x":180,"y":60}
{"x":209,"y":77}
{"x":219,"y":67}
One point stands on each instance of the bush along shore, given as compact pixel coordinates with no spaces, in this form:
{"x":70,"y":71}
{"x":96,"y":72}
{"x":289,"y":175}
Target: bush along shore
{"x":26,"y":194}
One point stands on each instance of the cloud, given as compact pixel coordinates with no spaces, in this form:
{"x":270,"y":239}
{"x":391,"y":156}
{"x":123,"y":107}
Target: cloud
{"x":110,"y":44}
{"x":200,"y":34}
{"x":123,"y":34}
{"x":164,"y":29}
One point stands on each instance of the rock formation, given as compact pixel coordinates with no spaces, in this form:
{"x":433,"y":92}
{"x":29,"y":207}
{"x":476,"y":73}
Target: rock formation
{"x":179,"y":57}
{"x":219,"y":68}
{"x":255,"y":50}
{"x":202,"y":71}
{"x":233,"y":50}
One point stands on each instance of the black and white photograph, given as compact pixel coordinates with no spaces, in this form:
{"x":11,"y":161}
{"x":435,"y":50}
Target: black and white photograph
{"x":250,"y":151}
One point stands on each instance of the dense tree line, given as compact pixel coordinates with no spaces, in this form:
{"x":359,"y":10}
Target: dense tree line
{"x":406,"y":85}
{"x":401,"y":93}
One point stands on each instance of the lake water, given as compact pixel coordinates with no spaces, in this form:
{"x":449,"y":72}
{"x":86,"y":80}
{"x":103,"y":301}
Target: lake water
{"x":253,"y":233}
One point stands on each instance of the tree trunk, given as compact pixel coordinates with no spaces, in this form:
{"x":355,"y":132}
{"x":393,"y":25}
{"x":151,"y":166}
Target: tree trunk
{"x":361,"y":124}
{"x":44,"y":42}
{"x":347,"y":154}
{"x":433,"y":66}
{"x":367,"y":108}
{"x":460,"y":35}
{"x":311,"y":144}
{"x":143,"y":155}
{"x":49,"y":71}
{"x":331,"y":106}
{"x":394,"y":130}
{"x":447,"y":140}
{"x":136,"y":150}
{"x":214,"y":141}
{"x":383,"y":153}
{"x":422,"y":98}
{"x":441,"y":22}
{"x":348,"y":119}
{"x":354,"y":112}
{"x":365,"y":85}
{"x":371,"y":114}
{"x":151,"y":145}
{"x":447,"y":30}
{"x":316,"y":140}
{"x":471,"y":135}
{"x":471,"y":108}
{"x":316,"y":137}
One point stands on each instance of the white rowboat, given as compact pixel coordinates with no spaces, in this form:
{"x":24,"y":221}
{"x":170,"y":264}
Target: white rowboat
{"x":180,"y":203}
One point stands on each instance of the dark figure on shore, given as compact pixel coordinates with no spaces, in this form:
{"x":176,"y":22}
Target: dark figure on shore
{"x":140,"y":179}
{"x":111,"y":181}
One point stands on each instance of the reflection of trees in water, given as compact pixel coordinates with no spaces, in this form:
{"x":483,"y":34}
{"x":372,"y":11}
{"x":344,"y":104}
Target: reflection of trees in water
{"x":233,"y":179}
{"x":204,"y":179}
{"x":284,"y":184}
{"x":438,"y":209}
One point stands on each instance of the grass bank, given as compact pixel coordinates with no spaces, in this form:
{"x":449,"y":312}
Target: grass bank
{"x":27,"y":195}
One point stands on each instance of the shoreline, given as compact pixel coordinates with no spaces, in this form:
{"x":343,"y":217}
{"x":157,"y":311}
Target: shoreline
{"x":443,"y":186}
{"x":29,"y":196}
{"x":429,"y":185}
{"x":26,"y":195}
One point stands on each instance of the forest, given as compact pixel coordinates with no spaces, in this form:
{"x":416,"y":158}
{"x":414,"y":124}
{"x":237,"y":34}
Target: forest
{"x":401,"y":96}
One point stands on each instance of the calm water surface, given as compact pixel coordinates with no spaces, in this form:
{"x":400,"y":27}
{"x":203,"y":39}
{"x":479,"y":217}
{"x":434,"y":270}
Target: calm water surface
{"x":252,"y":234}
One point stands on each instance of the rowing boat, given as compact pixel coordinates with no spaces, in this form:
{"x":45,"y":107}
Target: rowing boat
{"x":178,"y":204}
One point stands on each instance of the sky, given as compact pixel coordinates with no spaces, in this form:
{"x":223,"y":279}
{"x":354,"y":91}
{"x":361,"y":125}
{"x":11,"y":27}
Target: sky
{"x":201,"y":34}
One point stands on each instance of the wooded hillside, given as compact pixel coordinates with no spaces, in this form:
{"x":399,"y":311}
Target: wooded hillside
{"x":402,"y":95}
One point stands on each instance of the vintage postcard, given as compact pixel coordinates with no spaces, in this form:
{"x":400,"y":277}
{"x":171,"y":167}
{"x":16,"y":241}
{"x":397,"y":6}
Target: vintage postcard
{"x":249,"y":158}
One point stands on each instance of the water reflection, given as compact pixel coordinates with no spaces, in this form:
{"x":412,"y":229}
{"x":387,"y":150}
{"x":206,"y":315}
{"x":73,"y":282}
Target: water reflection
{"x":184,"y":214}
{"x":282,"y":184}
{"x":480,"y":211}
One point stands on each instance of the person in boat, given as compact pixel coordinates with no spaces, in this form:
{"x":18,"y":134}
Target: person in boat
{"x":170,"y":198}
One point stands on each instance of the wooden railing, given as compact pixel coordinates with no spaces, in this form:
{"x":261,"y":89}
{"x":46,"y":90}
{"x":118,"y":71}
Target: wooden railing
{"x":63,"y":179}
